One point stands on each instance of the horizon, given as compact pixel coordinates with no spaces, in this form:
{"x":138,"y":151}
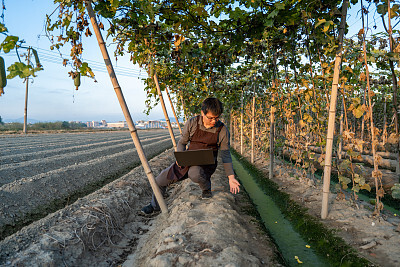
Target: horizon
{"x":33,"y":120}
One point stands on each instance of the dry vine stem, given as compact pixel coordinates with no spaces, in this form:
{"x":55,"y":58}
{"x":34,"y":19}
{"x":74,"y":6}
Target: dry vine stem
{"x":376,"y":174}
{"x":121,"y":99}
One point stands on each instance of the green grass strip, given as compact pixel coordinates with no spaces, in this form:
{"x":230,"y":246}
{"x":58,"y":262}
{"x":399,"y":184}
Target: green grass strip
{"x":322,"y":239}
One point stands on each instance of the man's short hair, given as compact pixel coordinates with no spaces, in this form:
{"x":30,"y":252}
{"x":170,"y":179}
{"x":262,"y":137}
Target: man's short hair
{"x":212,"y":105}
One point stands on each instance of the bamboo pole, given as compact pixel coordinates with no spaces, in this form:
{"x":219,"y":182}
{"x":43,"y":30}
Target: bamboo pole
{"x":125,"y":109}
{"x":26,"y":97}
{"x":173,"y":110}
{"x":231,"y":128}
{"x":183,"y":107}
{"x":271,"y":142}
{"x":332,"y":114}
{"x":241,"y":125}
{"x":384,"y":132}
{"x":340,"y":146}
{"x":253,"y":125}
{"x":171,"y":132}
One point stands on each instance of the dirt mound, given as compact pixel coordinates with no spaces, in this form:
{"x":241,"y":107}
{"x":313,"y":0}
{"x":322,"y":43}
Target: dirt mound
{"x":104,"y":228}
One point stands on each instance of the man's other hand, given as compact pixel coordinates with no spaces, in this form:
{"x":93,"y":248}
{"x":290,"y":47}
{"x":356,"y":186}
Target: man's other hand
{"x":234,"y":184}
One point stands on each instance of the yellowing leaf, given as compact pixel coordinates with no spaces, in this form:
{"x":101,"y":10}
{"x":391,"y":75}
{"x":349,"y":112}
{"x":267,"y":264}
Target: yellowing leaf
{"x":358,"y":112}
{"x":366,"y":187}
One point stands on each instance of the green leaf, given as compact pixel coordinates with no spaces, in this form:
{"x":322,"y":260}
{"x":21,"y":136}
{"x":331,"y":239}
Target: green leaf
{"x":19,"y":69}
{"x":279,"y":6}
{"x":396,"y":191}
{"x":273,"y":14}
{"x":3,"y":28}
{"x":85,"y":70}
{"x":382,"y":9}
{"x":9,"y":43}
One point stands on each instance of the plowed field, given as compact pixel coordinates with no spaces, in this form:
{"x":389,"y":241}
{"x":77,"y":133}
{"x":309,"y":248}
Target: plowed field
{"x":44,"y":172}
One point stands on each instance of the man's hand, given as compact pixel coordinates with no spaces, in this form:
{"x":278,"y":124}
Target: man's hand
{"x":233,"y":184}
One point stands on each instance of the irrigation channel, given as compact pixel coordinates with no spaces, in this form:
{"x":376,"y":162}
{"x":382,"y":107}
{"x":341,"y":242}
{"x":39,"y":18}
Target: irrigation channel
{"x":291,"y":243}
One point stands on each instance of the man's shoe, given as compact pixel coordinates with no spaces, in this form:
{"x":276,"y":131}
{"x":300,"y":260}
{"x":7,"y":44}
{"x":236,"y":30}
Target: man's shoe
{"x":206,"y":194}
{"x":149,"y":209}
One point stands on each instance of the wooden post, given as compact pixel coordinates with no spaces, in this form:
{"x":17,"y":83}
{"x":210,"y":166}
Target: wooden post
{"x":332,"y":114}
{"x":125,"y":109}
{"x":173,"y":110}
{"x":26,"y":97}
{"x":171,"y":132}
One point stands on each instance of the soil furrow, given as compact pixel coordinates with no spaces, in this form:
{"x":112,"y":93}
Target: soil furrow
{"x":47,"y":143}
{"x":16,"y":171}
{"x":26,"y":200}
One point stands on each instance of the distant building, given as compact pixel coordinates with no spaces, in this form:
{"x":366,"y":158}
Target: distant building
{"x":150,"y":124}
{"x":120,"y":124}
{"x":103,"y":123}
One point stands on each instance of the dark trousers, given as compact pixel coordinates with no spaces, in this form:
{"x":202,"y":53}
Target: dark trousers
{"x":195,"y":173}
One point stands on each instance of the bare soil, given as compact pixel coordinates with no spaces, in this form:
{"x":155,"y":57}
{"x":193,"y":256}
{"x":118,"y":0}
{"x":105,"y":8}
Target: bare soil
{"x":106,"y":229}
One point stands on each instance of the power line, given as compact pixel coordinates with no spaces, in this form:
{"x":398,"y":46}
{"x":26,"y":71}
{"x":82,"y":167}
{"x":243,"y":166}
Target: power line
{"x":54,"y":57}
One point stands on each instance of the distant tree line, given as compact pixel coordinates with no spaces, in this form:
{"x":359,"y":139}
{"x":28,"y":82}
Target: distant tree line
{"x":58,"y":125}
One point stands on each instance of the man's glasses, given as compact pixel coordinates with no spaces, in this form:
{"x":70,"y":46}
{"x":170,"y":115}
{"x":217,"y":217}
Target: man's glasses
{"x":212,"y":118}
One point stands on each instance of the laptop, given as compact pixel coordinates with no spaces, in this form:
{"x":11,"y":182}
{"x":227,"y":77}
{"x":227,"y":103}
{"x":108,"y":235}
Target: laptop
{"x":195,"y":157}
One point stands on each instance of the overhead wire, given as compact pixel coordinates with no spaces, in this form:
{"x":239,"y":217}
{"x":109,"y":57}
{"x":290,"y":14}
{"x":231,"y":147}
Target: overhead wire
{"x":54,"y":57}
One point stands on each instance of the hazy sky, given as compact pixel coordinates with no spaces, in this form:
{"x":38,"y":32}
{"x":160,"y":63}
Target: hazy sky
{"x":52,"y":95}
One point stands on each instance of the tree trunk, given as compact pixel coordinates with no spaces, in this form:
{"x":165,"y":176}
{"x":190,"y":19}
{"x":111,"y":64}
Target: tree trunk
{"x":171,"y":132}
{"x":125,"y":110}
{"x":332,"y":114}
{"x":173,"y":110}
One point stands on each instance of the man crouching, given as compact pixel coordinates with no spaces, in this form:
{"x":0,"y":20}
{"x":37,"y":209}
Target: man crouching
{"x":204,"y":131}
